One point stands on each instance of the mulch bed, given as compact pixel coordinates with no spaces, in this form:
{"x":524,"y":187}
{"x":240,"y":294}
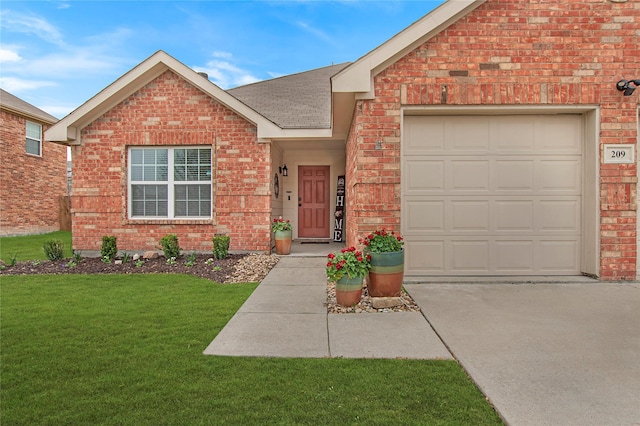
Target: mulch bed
{"x":218,"y":271}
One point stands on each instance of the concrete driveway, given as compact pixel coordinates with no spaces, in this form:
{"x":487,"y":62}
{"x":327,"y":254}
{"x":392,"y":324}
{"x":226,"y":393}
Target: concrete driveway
{"x":544,"y":354}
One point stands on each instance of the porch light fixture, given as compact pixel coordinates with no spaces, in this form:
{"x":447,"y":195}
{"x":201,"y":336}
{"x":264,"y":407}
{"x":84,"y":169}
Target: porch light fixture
{"x":624,"y":86}
{"x":285,"y":172}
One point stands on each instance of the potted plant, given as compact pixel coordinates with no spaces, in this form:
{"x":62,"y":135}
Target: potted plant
{"x":387,"y":263}
{"x":347,"y":270}
{"x":282,"y":230}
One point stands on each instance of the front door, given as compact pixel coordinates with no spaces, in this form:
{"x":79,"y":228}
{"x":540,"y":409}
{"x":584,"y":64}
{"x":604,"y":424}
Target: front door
{"x":313,"y":202}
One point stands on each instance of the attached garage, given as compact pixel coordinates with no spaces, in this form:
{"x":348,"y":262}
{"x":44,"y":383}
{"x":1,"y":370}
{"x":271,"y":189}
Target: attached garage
{"x":494,"y":195}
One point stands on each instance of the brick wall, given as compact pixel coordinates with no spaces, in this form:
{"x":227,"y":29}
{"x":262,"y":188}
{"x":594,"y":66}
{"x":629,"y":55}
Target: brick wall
{"x":169,"y":112}
{"x":512,"y":52}
{"x":29,"y":185}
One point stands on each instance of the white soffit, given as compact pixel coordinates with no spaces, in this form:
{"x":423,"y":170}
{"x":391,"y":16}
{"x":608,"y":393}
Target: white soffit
{"x":68,"y":129}
{"x":358,"y":77}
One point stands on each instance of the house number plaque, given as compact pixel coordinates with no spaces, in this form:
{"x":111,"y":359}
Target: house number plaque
{"x":619,"y":154}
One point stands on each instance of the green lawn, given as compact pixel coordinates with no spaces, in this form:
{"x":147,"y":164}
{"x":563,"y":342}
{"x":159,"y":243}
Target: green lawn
{"x":127,"y":350}
{"x":30,"y":247}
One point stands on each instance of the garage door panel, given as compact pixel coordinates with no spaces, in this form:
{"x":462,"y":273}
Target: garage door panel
{"x":469,"y":216}
{"x":467,"y":134}
{"x":514,"y":175}
{"x":425,"y":256}
{"x":423,"y":176}
{"x":559,"y":256}
{"x":492,"y":195}
{"x":425,"y":216}
{"x":468,"y":175}
{"x":512,"y":134}
{"x":559,"y":134}
{"x":514,"y":216}
{"x":560,"y":215}
{"x":514,"y":257}
{"x":561,"y":175}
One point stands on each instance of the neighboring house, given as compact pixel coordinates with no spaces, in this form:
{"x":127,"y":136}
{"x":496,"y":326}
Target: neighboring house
{"x":33,"y":173}
{"x":490,"y":133}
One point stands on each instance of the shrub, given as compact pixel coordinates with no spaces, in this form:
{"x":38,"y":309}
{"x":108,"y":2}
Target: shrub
{"x":221,"y":246}
{"x":170,"y":246}
{"x":53,"y":249}
{"x":109,"y":249}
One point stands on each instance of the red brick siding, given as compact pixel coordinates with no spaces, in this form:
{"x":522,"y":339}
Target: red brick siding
{"x":512,"y":52}
{"x":170,"y":112}
{"x":29,"y":185}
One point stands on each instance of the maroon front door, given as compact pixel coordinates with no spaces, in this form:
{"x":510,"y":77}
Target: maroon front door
{"x":313,"y":202}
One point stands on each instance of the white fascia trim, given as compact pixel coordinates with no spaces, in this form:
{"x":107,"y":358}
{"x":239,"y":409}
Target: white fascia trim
{"x":297,"y":134}
{"x":358,"y":77}
{"x":68,"y":129}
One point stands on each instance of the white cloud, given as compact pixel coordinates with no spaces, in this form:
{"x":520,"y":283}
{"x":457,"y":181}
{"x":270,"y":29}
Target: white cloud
{"x":7,"y":55}
{"x":30,"y":24}
{"x":221,"y":54}
{"x":15,"y":85}
{"x":316,"y":32}
{"x":225,"y":74}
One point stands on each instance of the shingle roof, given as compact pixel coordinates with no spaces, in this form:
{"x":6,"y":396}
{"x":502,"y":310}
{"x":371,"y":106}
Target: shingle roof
{"x":11,"y":102}
{"x":297,"y":101}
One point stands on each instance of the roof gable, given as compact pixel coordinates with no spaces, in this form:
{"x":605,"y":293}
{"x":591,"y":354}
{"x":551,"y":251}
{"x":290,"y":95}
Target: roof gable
{"x":16,"y":105}
{"x":68,"y":129}
{"x":358,"y":77}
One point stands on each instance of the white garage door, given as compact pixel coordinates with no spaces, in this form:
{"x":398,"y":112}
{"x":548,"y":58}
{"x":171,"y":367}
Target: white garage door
{"x":492,"y":195}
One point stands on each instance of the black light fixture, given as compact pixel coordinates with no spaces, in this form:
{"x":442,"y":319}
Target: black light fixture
{"x":624,"y":86}
{"x":285,"y":172}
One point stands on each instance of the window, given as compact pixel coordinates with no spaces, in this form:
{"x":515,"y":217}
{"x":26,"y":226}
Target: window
{"x":168,"y":183}
{"x":34,"y":138}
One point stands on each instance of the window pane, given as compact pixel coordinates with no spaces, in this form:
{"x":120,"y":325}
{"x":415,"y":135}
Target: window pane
{"x":33,"y":147}
{"x":149,"y":200}
{"x":136,"y":172}
{"x":136,"y":156}
{"x":192,"y":200}
{"x":162,"y":173}
{"x":34,"y":131}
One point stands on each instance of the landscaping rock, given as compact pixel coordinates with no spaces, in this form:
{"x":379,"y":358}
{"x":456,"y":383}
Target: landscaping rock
{"x":150,"y":255}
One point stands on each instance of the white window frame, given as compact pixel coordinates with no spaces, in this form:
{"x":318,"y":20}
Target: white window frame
{"x":170,"y":182}
{"x":28,"y":138}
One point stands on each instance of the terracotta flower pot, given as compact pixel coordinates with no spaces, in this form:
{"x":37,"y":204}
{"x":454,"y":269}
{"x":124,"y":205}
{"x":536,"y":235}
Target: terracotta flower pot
{"x":386,"y":274}
{"x":283,"y":242}
{"x":349,"y":290}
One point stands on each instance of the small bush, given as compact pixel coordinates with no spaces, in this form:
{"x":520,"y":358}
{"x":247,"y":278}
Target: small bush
{"x":109,"y":249}
{"x":221,"y":246}
{"x":13,"y":259}
{"x":126,"y":257}
{"x":170,"y":246}
{"x":53,"y":249}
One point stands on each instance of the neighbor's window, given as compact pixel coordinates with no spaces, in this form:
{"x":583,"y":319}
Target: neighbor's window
{"x":168,"y":183}
{"x":34,"y":138}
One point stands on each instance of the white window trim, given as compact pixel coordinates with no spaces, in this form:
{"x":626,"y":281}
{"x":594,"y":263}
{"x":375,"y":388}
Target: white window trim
{"x":39,"y":140}
{"x":170,"y":183}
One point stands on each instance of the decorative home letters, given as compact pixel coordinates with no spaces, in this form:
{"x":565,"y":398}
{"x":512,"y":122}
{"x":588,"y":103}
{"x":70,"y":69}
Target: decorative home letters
{"x":339,"y":214}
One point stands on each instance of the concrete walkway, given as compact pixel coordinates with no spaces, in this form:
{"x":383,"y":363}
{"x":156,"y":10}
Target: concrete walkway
{"x":543,"y":354}
{"x":286,"y":316}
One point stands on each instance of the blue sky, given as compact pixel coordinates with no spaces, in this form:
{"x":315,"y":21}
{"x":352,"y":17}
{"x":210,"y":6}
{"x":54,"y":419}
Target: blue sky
{"x":57,"y":54}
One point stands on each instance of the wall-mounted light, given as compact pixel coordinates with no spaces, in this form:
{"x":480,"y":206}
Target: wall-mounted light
{"x":624,"y":86}
{"x":285,"y":171}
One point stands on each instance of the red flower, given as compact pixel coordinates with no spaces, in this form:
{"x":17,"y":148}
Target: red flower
{"x":331,"y":256}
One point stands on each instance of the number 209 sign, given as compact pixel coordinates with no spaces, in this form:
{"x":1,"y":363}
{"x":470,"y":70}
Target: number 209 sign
{"x":619,"y":154}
